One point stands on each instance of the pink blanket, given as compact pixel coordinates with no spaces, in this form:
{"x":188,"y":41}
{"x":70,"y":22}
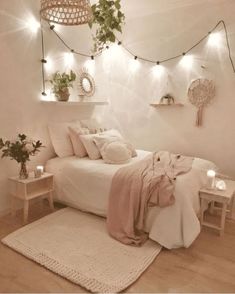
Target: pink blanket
{"x":135,"y":187}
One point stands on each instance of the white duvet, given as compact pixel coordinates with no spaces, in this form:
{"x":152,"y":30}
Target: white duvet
{"x":83,"y":183}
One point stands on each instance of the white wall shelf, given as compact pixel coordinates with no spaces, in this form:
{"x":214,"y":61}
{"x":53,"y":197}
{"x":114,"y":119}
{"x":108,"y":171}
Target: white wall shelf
{"x":165,"y":105}
{"x":76,"y":103}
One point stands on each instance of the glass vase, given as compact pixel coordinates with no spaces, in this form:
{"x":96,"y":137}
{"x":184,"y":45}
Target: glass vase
{"x":23,"y":171}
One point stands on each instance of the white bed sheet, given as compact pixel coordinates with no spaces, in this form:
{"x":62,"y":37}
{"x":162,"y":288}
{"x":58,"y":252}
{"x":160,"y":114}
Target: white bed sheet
{"x":85,"y":184}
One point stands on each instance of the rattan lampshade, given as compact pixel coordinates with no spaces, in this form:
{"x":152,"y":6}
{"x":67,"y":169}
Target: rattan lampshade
{"x":66,"y":12}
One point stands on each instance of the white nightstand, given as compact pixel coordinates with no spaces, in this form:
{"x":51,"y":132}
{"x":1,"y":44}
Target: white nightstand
{"x":31,"y":188}
{"x":224,"y":197}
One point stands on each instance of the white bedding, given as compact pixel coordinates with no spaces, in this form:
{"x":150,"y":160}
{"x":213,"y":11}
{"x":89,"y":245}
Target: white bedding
{"x":83,"y":183}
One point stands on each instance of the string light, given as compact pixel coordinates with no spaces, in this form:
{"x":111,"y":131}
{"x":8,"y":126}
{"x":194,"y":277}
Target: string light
{"x":68,"y":58}
{"x":158,"y":70}
{"x":214,"y":39}
{"x":33,"y":25}
{"x":187,"y":60}
{"x":48,"y":64}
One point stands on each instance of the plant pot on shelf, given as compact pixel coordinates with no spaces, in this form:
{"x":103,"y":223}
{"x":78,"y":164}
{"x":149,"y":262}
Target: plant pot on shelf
{"x":63,"y":94}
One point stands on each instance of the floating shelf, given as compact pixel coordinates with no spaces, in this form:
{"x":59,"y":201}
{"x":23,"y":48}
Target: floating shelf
{"x":76,"y":103}
{"x":165,"y":105}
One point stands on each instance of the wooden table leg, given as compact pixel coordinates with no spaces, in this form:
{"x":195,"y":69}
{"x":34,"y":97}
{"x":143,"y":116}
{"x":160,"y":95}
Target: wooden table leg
{"x":26,"y":211}
{"x":50,"y":199}
{"x":223,"y":216}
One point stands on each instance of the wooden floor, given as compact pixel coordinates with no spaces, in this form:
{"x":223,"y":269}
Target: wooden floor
{"x":207,"y":266}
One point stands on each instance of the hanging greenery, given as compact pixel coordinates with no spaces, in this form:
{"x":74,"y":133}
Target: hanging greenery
{"x":108,"y":17}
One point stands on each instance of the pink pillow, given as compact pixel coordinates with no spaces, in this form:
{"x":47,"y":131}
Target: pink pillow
{"x":78,"y":147}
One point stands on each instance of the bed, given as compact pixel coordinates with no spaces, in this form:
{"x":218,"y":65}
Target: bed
{"x":84,"y":184}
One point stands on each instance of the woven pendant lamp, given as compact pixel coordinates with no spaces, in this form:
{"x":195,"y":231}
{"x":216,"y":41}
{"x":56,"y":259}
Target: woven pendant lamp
{"x":66,"y":12}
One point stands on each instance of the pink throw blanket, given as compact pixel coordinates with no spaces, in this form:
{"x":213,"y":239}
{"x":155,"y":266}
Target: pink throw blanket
{"x":149,"y":182}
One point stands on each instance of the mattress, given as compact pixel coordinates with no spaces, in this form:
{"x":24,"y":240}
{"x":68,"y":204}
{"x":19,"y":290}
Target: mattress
{"x":85,"y":184}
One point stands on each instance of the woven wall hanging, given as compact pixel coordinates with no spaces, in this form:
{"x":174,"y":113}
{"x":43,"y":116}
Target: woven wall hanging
{"x":200,"y":94}
{"x":66,"y":12}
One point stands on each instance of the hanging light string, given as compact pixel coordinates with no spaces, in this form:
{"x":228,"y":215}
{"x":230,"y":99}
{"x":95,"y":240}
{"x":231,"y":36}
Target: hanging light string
{"x":190,"y":49}
{"x":159,"y":61}
{"x":52,"y":27}
{"x":43,"y":60}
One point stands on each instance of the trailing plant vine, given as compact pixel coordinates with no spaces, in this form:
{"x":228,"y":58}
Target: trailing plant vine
{"x":108,"y":17}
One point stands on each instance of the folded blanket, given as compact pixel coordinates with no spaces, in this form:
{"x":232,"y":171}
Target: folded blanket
{"x":135,"y":187}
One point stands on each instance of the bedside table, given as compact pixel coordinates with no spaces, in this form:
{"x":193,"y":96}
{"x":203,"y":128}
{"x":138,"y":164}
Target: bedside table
{"x":31,"y":188}
{"x":224,"y":197}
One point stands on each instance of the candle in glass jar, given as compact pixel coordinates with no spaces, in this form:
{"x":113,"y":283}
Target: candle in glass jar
{"x":39,"y":171}
{"x":210,"y":179}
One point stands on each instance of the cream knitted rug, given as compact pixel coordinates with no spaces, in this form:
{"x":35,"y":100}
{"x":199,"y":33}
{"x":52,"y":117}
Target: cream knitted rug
{"x":77,"y":246}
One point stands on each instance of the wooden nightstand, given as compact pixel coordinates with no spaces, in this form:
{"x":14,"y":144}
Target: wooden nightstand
{"x":224,"y":197}
{"x":29,"y":189}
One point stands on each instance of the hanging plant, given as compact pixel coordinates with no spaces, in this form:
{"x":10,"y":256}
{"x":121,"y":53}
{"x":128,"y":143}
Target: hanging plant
{"x":108,"y":17}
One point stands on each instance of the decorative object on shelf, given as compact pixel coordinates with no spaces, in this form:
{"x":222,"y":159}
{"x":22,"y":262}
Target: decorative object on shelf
{"x":167,"y":99}
{"x":200,"y":94}
{"x":66,"y":12}
{"x":61,"y":84}
{"x":20,"y":150}
{"x":86,"y":84}
{"x":109,"y":18}
{"x":38,"y":171}
{"x":210,"y":179}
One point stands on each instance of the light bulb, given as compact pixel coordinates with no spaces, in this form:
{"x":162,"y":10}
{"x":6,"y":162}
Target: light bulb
{"x":33,"y":25}
{"x":214,"y":39}
{"x":158,"y":70}
{"x":186,"y":61}
{"x":68,"y":58}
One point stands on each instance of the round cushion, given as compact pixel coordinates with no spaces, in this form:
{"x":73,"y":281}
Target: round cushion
{"x":116,"y":152}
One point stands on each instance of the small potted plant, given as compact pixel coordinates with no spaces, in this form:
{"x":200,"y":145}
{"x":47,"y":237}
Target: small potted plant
{"x":61,"y":84}
{"x":20,"y":150}
{"x":167,"y":99}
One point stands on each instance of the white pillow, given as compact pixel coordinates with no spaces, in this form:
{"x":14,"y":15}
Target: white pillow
{"x":115,"y":152}
{"x":89,"y":144}
{"x":78,"y":147}
{"x":59,"y":134}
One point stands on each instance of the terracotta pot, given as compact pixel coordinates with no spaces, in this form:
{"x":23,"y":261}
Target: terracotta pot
{"x":63,"y":95}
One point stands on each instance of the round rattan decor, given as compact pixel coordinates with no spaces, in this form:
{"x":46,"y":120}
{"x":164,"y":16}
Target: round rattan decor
{"x":66,"y":12}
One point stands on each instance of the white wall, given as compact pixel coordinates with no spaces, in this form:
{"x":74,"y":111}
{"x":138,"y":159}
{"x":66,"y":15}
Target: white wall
{"x":155,"y":29}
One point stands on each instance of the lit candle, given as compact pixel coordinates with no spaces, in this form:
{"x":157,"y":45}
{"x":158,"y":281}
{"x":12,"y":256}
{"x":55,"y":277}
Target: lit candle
{"x":39,"y":171}
{"x":211,"y":179}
